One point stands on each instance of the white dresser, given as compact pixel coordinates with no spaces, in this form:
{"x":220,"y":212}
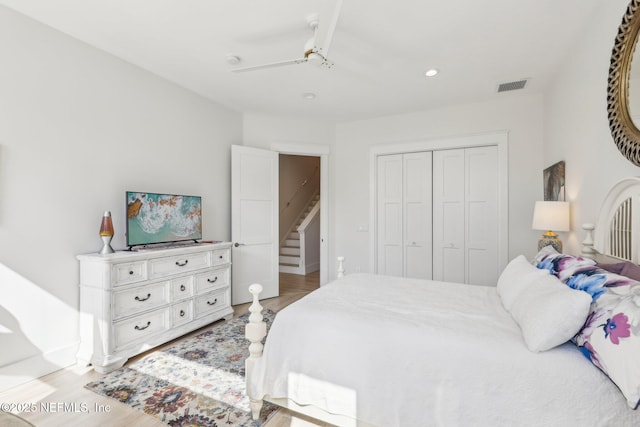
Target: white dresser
{"x":132,"y":301}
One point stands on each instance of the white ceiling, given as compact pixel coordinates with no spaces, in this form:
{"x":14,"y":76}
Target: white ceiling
{"x":380,"y":48}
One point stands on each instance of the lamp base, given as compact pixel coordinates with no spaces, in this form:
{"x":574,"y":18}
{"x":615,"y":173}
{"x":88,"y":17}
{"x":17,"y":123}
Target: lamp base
{"x":550,"y":240}
{"x":106,"y":248}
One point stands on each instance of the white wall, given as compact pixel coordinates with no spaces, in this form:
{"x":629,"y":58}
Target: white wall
{"x":78,"y":127}
{"x":520,"y":115}
{"x":577,"y":128}
{"x":261,"y":131}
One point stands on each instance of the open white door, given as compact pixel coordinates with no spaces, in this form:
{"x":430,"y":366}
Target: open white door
{"x":254,"y":222}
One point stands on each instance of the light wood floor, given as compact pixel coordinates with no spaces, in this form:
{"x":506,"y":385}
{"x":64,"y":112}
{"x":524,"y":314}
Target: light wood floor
{"x":64,"y":388}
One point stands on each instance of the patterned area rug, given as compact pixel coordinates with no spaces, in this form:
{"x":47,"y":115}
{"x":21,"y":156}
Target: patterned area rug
{"x":198,"y":382}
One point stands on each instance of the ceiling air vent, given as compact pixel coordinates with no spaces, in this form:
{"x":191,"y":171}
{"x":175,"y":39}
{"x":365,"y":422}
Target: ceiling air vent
{"x":517,"y":85}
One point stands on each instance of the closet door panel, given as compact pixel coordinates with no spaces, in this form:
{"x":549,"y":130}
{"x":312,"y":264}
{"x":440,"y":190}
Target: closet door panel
{"x":482,"y":215}
{"x":392,"y":246}
{"x":417,"y":247}
{"x":449,"y":257}
{"x":417,"y":215}
{"x":449,"y":215}
{"x":389,"y":210}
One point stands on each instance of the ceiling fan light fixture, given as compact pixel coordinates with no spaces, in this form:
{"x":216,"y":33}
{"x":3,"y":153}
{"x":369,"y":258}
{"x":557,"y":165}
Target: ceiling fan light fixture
{"x":315,"y":59}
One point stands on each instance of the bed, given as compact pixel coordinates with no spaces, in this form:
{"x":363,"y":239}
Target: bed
{"x":385,"y":351}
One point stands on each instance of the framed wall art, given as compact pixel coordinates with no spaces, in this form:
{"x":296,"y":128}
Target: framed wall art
{"x":553,"y":178}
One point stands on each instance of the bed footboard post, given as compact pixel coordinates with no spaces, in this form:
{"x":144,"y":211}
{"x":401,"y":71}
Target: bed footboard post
{"x":254,"y":331}
{"x":340,"y":267}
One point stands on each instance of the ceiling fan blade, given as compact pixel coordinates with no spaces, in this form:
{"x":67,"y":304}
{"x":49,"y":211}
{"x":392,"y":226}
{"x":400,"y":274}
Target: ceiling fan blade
{"x":270,"y":65}
{"x":332,"y":28}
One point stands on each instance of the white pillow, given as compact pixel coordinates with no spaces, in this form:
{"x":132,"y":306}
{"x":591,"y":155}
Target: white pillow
{"x":550,"y":313}
{"x":515,"y":277}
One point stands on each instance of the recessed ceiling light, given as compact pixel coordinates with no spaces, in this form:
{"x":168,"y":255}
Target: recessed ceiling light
{"x":309,"y":96}
{"x":431,"y":72}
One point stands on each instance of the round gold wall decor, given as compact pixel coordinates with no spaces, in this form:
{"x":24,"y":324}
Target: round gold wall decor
{"x":626,"y":134}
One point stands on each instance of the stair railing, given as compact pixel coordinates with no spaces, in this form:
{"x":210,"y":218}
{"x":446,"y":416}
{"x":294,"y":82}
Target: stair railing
{"x":309,"y":232}
{"x":305,"y":181}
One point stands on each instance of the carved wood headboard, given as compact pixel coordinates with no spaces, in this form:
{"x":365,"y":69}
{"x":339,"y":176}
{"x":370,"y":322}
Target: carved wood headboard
{"x":616,"y":234}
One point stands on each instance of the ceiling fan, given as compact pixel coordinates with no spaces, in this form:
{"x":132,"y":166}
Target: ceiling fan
{"x":312,"y":53}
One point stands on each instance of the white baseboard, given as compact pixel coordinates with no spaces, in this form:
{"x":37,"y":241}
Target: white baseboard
{"x":310,"y":268}
{"x":302,"y":271}
{"x":290,"y":269}
{"x":29,"y":369}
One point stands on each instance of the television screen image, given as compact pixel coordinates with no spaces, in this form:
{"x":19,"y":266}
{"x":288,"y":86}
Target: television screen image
{"x":162,"y":218}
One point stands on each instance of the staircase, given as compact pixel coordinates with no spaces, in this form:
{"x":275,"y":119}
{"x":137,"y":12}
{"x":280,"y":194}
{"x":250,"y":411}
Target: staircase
{"x":297,"y":251}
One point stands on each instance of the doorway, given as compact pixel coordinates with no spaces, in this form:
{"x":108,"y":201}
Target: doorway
{"x":299,"y":214}
{"x":320,"y":154}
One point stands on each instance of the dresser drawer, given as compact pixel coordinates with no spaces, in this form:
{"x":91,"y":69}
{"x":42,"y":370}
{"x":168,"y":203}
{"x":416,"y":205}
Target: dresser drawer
{"x":141,"y":298}
{"x":181,"y":288}
{"x":129,"y":272}
{"x":212,"y":279}
{"x":210,"y":302}
{"x":182,"y":313}
{"x":221,"y":257}
{"x":139,"y":328}
{"x":179,"y":264}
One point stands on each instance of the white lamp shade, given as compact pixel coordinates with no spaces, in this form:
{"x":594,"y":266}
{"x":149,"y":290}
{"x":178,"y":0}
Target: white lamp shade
{"x":551,"y":216}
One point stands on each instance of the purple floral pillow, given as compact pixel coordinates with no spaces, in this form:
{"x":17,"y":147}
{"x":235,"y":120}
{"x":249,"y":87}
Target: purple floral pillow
{"x":562,"y":266}
{"x":581,"y":273}
{"x":610,"y":338}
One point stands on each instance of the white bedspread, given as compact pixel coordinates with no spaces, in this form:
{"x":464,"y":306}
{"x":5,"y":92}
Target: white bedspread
{"x":402,"y":352}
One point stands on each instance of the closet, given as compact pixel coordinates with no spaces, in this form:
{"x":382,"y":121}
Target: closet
{"x":438,"y":213}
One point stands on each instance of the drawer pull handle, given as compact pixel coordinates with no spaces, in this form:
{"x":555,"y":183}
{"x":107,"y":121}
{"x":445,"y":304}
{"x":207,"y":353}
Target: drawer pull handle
{"x":130,"y":272}
{"x":182,"y":288}
{"x":137,"y":298}
{"x":213,"y":303}
{"x":141,"y":328}
{"x":220,"y":257}
{"x":182,"y":264}
{"x":215,"y":279}
{"x":182,"y":313}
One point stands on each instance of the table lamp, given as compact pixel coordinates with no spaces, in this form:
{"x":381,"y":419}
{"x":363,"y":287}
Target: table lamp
{"x":106,"y":233}
{"x":550,"y":216}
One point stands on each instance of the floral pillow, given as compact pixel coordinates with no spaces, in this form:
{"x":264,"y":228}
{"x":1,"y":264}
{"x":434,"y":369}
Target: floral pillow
{"x":610,"y":337}
{"x":562,"y":266}
{"x":581,"y":273}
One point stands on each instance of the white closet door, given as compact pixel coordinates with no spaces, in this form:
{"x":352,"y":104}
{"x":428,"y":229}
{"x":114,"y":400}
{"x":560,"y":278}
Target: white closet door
{"x":449,"y":215}
{"x":389,"y":211}
{"x":465,"y":215}
{"x":417,"y":215}
{"x":481,"y":165}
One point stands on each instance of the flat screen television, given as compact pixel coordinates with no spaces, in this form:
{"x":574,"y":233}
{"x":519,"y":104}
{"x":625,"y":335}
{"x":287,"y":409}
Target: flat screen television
{"x":154,"y":218}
